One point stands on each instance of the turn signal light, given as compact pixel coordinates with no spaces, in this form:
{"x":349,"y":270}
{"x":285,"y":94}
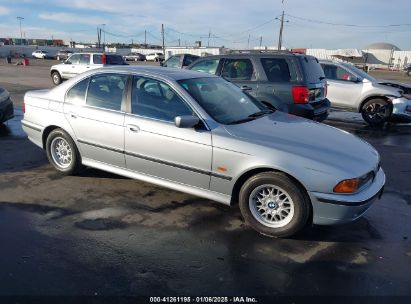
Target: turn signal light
{"x":347,"y":186}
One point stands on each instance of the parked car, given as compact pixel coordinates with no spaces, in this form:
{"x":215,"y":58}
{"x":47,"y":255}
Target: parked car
{"x":40,"y":54}
{"x":179,"y":61}
{"x":63,"y":54}
{"x":292,"y":83}
{"x":158,"y":57}
{"x":200,"y":134}
{"x":378,"y":101}
{"x":407,"y":70}
{"x":134,"y":57}
{"x":81,"y":62}
{"x":6,"y":106}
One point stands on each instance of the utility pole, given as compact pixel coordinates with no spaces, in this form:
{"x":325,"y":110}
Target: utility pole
{"x":104,"y":37}
{"x":179,"y":41}
{"x":145,"y":38}
{"x":162,"y":35}
{"x":209,"y":35}
{"x":98,"y":37}
{"x":21,"y":33}
{"x":248,"y":41}
{"x":280,"y":36}
{"x":261,"y":41}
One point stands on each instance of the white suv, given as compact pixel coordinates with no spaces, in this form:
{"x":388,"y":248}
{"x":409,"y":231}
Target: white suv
{"x":81,"y":62}
{"x":155,"y":57}
{"x":378,"y":101}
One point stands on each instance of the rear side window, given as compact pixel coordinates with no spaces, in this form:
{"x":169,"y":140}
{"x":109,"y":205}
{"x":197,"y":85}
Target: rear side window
{"x":85,"y":59}
{"x":209,"y":66}
{"x":333,"y":72}
{"x":277,"y":70}
{"x":77,"y":93}
{"x":189,"y":60}
{"x":97,"y":59}
{"x":312,"y":69}
{"x":106,"y":91}
{"x":238,"y":69}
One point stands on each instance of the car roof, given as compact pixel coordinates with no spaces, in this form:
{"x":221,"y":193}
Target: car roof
{"x":255,"y":54}
{"x":169,"y":73}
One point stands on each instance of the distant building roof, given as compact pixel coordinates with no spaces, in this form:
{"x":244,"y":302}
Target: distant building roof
{"x":382,"y":46}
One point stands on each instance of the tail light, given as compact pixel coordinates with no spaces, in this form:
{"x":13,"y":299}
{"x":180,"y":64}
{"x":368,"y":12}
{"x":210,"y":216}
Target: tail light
{"x":326,"y":89}
{"x":24,"y":107}
{"x":300,"y":94}
{"x":104,"y":58}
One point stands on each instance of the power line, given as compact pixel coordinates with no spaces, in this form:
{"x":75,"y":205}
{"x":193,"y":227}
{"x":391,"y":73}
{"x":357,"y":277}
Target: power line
{"x":347,"y":24}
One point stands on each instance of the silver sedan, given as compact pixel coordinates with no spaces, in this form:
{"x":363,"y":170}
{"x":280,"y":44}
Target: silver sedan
{"x":202,"y":135}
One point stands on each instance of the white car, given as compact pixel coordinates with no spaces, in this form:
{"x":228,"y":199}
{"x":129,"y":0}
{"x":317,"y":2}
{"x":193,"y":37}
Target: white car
{"x":81,"y":62}
{"x":155,"y":57}
{"x":40,"y":54}
{"x":378,"y":101}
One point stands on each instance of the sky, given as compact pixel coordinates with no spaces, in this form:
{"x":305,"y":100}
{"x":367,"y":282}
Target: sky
{"x":327,"y":24}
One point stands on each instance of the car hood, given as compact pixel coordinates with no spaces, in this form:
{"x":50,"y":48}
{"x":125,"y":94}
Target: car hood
{"x":310,"y":140}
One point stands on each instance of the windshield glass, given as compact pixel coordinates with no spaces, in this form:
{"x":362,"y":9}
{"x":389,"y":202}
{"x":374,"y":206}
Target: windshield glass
{"x":360,"y":73}
{"x":224,"y":101}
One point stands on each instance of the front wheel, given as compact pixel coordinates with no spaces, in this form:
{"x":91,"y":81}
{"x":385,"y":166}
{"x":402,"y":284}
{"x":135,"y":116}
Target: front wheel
{"x":62,"y":152}
{"x":376,"y":111}
{"x":274,"y":205}
{"x":55,"y":76}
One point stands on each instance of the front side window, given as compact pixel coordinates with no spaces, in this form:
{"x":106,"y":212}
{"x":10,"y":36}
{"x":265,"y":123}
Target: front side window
{"x":106,"y":91}
{"x":74,"y":59}
{"x":276,"y":69}
{"x":155,"y":99}
{"x":223,"y":101}
{"x":173,"y":62}
{"x":77,"y":93}
{"x":238,"y":69}
{"x":208,"y":66}
{"x":97,"y":59}
{"x":333,"y":72}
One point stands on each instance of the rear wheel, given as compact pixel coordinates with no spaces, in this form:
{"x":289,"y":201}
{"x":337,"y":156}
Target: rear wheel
{"x":62,"y":152}
{"x":376,"y":111}
{"x":56,"y":78}
{"x":274,"y":205}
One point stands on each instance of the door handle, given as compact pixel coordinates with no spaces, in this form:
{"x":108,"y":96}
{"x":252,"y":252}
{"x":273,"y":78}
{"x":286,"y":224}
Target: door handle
{"x":133,"y":128}
{"x":246,"y":88}
{"x":73,"y":115}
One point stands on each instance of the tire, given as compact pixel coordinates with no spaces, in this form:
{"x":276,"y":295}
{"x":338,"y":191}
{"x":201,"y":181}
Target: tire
{"x":291,"y":202}
{"x":56,"y":78}
{"x":376,"y":111}
{"x":62,"y":153}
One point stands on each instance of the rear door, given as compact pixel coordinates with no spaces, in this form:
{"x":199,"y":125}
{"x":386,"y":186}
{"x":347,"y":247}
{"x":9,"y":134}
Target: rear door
{"x":342,"y":90}
{"x":242,"y":72}
{"x":97,"y":117}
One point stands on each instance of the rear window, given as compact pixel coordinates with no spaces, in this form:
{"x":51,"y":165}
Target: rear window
{"x":312,"y":69}
{"x":277,"y":70}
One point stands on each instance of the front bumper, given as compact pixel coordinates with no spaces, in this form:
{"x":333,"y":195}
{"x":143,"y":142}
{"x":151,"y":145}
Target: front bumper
{"x":333,"y":209}
{"x":401,"y":110}
{"x":317,"y":111}
{"x":6,"y":110}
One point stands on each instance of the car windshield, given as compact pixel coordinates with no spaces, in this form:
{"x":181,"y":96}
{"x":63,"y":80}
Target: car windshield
{"x":224,"y":101}
{"x":360,"y":73}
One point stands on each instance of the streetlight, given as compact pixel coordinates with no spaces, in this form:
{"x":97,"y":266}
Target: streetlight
{"x":104,"y":37}
{"x":21,"y":33}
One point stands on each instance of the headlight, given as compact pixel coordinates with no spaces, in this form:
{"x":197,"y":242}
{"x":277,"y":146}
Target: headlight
{"x":353,"y":185}
{"x":4,"y":95}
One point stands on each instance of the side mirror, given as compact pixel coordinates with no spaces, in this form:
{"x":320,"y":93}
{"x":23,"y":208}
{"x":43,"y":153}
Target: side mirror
{"x":186,"y":121}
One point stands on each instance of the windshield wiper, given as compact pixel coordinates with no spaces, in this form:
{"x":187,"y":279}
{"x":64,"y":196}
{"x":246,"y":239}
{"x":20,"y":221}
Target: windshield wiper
{"x":261,"y":113}
{"x":252,"y":117}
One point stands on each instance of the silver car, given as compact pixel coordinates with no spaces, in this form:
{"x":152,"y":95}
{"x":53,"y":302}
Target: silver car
{"x":202,"y":135}
{"x":378,"y":101}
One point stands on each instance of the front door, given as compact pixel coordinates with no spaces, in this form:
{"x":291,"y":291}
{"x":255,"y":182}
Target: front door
{"x":98,"y":123}
{"x":343,"y":89}
{"x":155,"y":146}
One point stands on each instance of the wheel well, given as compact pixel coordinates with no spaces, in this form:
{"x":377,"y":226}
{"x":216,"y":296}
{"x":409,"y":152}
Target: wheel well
{"x":372,"y":97}
{"x":243,"y":178}
{"x":46,"y":133}
{"x":52,"y":71}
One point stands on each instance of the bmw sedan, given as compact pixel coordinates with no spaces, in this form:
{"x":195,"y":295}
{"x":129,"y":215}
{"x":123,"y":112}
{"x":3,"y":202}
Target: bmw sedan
{"x":202,"y":135}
